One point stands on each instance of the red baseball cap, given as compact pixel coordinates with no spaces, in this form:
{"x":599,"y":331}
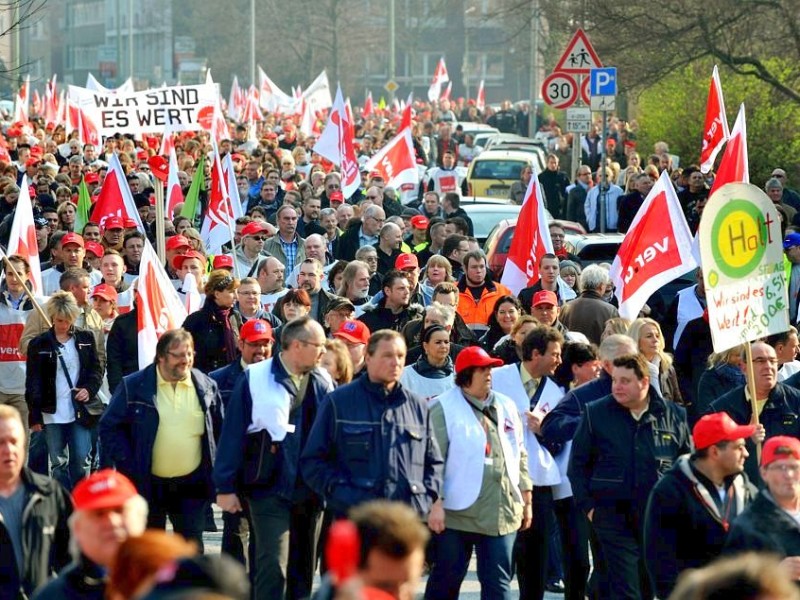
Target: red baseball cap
{"x":718,"y":427}
{"x":406,"y":261}
{"x":104,"y":489}
{"x":91,"y":178}
{"x":177,"y":261}
{"x":475,"y":356}
{"x":95,"y":248}
{"x":354,"y":332}
{"x":131,"y":224}
{"x":419,"y":222}
{"x":779,"y":447}
{"x":177,"y":241}
{"x":72,"y":238}
{"x":336,"y":196}
{"x":223,"y":261}
{"x":113,"y":223}
{"x":256,"y":330}
{"x":105,"y":291}
{"x":254,"y":228}
{"x":545,"y":297}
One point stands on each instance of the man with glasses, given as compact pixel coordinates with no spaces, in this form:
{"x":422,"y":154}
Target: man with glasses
{"x":790,"y":196}
{"x":361,"y":234}
{"x":333,"y":183}
{"x":576,"y":196}
{"x":160,"y":429}
{"x":267,"y":422}
{"x":769,"y":524}
{"x":251,"y":249}
{"x":778,"y":403}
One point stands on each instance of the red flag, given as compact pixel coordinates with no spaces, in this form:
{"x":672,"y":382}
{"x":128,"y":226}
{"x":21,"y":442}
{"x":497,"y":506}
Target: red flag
{"x":715,"y":131}
{"x":160,"y":307}
{"x":115,"y":199}
{"x":87,"y":130}
{"x":447,"y":90}
{"x":336,"y":144}
{"x":22,"y":239}
{"x":405,"y":121}
{"x":396,"y":162}
{"x":531,"y":240}
{"x":440,"y":76}
{"x":36,"y":103}
{"x":656,"y":249}
{"x":369,"y":107}
{"x":733,"y":168}
{"x":480,"y":101}
{"x":174,"y":193}
{"x":217,"y":228}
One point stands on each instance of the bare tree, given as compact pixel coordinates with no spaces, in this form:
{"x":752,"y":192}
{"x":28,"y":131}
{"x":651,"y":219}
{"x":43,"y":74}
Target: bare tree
{"x":24,"y":14}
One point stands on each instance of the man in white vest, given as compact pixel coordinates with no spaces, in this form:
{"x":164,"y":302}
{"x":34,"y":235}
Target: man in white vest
{"x":535,"y":393}
{"x":486,"y":497}
{"x":266,"y":425}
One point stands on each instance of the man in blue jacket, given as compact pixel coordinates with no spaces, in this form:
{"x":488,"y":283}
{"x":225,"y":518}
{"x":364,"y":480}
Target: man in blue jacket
{"x":373,"y":438}
{"x":160,"y":430}
{"x":267,"y":421}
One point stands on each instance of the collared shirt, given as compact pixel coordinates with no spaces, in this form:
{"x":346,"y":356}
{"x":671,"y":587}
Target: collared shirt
{"x":495,"y":512}
{"x":290,"y":250}
{"x":529,"y":382}
{"x":297,"y":380}
{"x":366,"y":240}
{"x":177,"y":450}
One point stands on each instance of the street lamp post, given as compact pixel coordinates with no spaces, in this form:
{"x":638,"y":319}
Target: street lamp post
{"x":253,"y":42}
{"x":465,"y":63}
{"x":534,"y":92}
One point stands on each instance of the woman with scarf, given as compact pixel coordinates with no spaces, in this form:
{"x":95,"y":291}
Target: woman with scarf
{"x":432,"y":373}
{"x":215,"y":327}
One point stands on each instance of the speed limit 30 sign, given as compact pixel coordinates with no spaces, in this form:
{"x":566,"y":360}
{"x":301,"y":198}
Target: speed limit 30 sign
{"x":560,"y":90}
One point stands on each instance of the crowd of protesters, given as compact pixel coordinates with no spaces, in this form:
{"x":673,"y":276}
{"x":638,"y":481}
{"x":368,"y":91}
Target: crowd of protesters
{"x":344,"y":351}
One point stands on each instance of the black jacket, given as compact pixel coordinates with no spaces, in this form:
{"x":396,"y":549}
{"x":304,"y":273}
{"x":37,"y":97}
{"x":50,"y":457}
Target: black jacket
{"x":80,"y":580}
{"x":764,"y":527}
{"x":42,"y":365}
{"x":386,"y":261}
{"x":226,"y":378}
{"x":780,"y":416}
{"x":208,"y":334}
{"x":377,"y":316}
{"x":684,"y":527}
{"x":368,"y":444}
{"x":460,"y":212}
{"x":129,"y":425}
{"x":45,"y":537}
{"x":617,"y":460}
{"x":348,"y":242}
{"x":122,"y":348}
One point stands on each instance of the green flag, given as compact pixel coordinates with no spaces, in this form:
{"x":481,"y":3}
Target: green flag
{"x":84,"y":207}
{"x":192,"y":201}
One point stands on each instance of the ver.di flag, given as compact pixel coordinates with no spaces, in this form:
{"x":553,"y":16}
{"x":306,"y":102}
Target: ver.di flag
{"x":396,"y":163}
{"x":656,"y":249}
{"x":715,"y":130}
{"x":531,"y":240}
{"x":115,"y":198}
{"x":734,"y":165}
{"x":336,"y":144}
{"x":22,"y":239}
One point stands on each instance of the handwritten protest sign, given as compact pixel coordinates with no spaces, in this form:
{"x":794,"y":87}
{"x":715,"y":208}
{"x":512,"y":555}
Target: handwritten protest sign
{"x":182,"y":108}
{"x":742,"y":258}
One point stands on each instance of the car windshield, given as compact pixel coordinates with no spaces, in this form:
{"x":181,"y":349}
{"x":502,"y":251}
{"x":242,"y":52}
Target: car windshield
{"x":484,"y":222}
{"x":497,"y":169}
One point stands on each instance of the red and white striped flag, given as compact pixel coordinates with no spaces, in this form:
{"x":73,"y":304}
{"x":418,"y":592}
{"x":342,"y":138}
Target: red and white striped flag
{"x":336,"y":144}
{"x":369,"y":106}
{"x":656,"y":249}
{"x":115,"y":199}
{"x":440,"y":76}
{"x":733,"y":168}
{"x":218,"y":223}
{"x":480,"y":100}
{"x":531,"y":240}
{"x":715,"y":131}
{"x":160,"y":307}
{"x":174,"y":194}
{"x":22,"y":239}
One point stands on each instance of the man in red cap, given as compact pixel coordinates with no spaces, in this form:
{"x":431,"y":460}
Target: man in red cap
{"x":71,"y":249}
{"x":113,"y":232}
{"x":194,"y":263}
{"x":770,"y":523}
{"x":419,"y":233}
{"x":692,"y":507}
{"x":108,"y":511}
{"x":408,"y":264}
{"x":267,"y":421}
{"x":255,"y":344}
{"x":486,"y":495}
{"x":250,"y":249}
{"x":29,"y":555}
{"x":175,"y":245}
{"x":355,"y":336}
{"x":545,"y":310}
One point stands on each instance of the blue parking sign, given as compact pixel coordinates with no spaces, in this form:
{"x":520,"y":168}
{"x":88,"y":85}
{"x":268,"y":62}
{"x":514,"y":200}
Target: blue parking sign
{"x":603,"y":82}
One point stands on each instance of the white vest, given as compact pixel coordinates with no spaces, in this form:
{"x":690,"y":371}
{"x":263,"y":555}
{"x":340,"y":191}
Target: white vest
{"x":424,"y":386}
{"x":272,"y":403}
{"x":542,"y":468}
{"x":12,"y":363}
{"x":464,"y":464}
{"x":268,"y":301}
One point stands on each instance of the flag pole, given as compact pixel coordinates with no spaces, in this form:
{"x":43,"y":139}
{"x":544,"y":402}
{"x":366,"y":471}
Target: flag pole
{"x":751,"y":386}
{"x":160,"y":230}
{"x":25,"y":281}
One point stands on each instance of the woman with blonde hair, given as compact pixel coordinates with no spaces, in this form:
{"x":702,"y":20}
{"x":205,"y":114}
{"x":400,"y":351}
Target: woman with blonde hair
{"x":650,"y":341}
{"x":195,"y":240}
{"x":67,"y":212}
{"x":437,"y":270}
{"x":336,"y":361}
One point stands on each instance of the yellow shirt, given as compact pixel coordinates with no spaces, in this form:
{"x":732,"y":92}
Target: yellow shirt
{"x":526,"y":377}
{"x":178,"y":449}
{"x":760,"y":404}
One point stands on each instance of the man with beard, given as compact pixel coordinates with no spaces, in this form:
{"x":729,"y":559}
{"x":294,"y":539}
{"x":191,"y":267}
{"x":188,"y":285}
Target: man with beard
{"x":309,"y":222}
{"x":310,"y":279}
{"x":477,"y":292}
{"x":393,"y":310}
{"x":315,"y":247}
{"x":355,"y":285}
